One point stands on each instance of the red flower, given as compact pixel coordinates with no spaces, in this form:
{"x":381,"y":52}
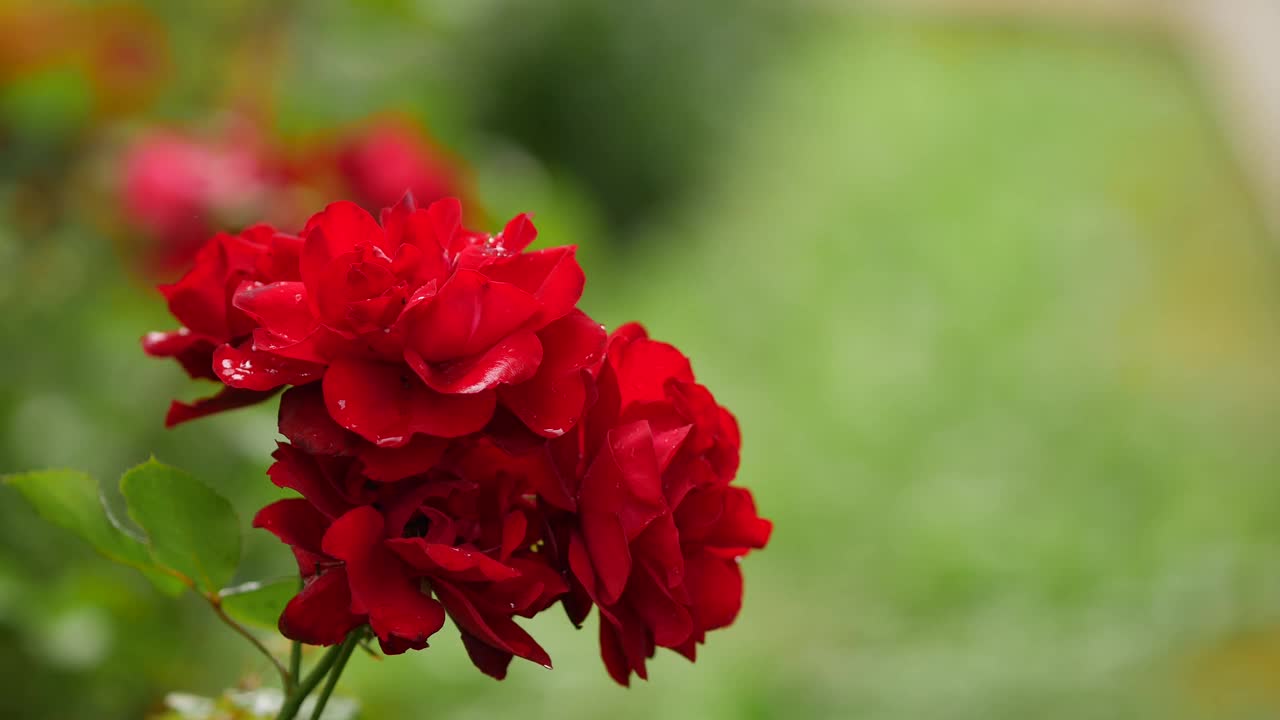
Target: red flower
{"x":659,"y":528}
{"x":375,"y":553}
{"x":418,"y":326}
{"x":202,"y":302}
{"x":463,"y":444}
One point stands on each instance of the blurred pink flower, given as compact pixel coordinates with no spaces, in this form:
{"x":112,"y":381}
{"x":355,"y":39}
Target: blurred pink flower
{"x":179,"y":189}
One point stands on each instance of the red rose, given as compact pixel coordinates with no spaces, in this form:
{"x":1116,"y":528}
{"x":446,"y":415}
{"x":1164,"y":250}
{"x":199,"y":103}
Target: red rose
{"x":659,"y":528}
{"x":202,"y":302}
{"x":469,"y":532}
{"x":465,"y":441}
{"x":417,"y":327}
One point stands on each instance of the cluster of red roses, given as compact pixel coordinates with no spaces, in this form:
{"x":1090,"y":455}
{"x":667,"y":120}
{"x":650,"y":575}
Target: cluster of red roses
{"x":465,"y":441}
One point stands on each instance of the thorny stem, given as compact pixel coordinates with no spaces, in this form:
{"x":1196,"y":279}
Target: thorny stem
{"x":345,"y":654}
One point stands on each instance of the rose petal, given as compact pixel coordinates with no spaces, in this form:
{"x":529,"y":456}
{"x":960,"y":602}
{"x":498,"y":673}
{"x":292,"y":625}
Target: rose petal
{"x":452,"y":563}
{"x":552,"y":276}
{"x":658,"y":550}
{"x":494,"y":628}
{"x":667,"y":620}
{"x":615,"y":660}
{"x":387,"y":404}
{"x":723,"y":517}
{"x":429,"y":232}
{"x":445,"y":217}
{"x":633,"y":463}
{"x":281,"y":308}
{"x":193,"y":352}
{"x":318,"y":347}
{"x":515,"y":528}
{"x":668,"y":443}
{"x":537,"y":588}
{"x":644,"y":367}
{"x":302,"y":472}
{"x":280,"y":261}
{"x":340,"y":228}
{"x":305,"y":421}
{"x":580,"y":567}
{"x":715,"y":588}
{"x":229,"y":398}
{"x":391,"y":464}
{"x":739,"y":525}
{"x":488,"y":659}
{"x":606,"y":543}
{"x":295,"y":521}
{"x":553,"y":400}
{"x":637,"y":644}
{"x":466,"y":317}
{"x":395,"y":219}
{"x":248,"y":369}
{"x":512,"y":360}
{"x":380,"y":586}
{"x":321,"y":613}
{"x":519,"y":233}
{"x":199,"y":298}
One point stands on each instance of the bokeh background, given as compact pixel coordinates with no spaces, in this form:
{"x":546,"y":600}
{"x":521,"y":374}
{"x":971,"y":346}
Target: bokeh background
{"x":992,"y":288}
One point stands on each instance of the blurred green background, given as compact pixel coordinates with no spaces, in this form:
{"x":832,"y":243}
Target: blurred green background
{"x":992,"y":302}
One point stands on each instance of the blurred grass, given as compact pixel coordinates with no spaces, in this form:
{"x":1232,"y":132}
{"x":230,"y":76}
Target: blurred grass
{"x":998,"y":320}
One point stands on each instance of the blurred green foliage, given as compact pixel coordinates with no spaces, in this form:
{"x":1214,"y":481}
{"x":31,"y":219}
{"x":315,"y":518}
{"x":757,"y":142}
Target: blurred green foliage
{"x":990,"y":302}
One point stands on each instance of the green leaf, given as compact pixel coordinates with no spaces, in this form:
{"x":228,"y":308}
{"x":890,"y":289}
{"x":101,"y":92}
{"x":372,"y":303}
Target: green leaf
{"x":259,"y":604}
{"x":190,"y":528}
{"x":70,"y":500}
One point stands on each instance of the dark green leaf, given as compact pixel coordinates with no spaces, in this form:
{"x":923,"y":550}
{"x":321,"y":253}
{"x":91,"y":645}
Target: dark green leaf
{"x":190,"y":528}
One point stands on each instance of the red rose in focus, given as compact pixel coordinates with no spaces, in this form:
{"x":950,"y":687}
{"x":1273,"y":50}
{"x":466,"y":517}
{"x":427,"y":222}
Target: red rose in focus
{"x":202,"y":302}
{"x":659,"y":528}
{"x":470,"y":533}
{"x":417,"y":327}
{"x":466,"y":442}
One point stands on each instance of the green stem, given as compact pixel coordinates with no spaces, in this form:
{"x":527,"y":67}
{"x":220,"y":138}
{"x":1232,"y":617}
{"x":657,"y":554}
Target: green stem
{"x":300,"y":692}
{"x":295,"y":660}
{"x":347,"y":647}
{"x":295,"y":655}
